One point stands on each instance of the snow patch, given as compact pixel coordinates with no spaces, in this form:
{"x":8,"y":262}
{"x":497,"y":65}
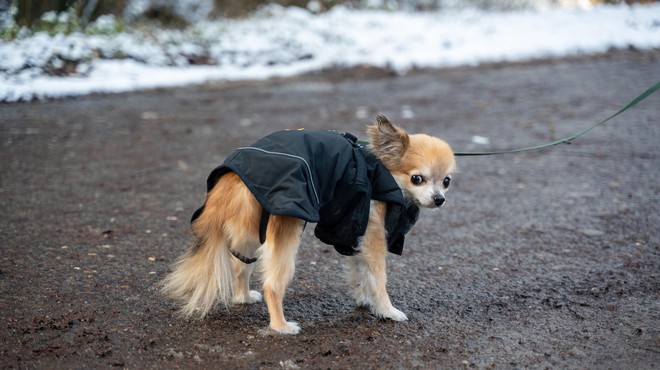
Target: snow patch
{"x":281,"y":42}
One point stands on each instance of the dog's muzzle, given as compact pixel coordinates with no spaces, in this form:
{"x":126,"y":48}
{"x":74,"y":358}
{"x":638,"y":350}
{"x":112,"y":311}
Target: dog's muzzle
{"x":438,"y":200}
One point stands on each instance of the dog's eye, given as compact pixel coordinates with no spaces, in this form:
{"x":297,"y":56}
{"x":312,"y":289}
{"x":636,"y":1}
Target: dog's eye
{"x":446,"y":181}
{"x":417,"y":179}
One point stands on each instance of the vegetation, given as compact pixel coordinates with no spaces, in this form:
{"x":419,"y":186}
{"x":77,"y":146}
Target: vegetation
{"x":67,"y":16}
{"x":31,"y":11}
{"x":65,"y":22}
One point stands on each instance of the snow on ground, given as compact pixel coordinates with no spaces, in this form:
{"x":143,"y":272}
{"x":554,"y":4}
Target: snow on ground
{"x":280,"y":41}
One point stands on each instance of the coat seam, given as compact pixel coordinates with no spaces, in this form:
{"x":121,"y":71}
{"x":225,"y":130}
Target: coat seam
{"x":309,"y":169}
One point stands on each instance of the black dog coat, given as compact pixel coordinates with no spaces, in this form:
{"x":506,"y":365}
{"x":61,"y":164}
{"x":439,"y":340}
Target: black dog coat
{"x":323,"y":177}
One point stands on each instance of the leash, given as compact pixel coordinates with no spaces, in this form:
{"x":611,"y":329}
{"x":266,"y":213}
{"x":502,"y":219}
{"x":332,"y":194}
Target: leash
{"x":566,"y":140}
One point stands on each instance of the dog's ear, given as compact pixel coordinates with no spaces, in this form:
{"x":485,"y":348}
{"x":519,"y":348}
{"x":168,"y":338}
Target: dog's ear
{"x":388,"y":141}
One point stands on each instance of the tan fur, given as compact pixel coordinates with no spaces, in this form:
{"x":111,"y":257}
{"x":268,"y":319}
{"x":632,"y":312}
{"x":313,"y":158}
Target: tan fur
{"x":209,"y":274}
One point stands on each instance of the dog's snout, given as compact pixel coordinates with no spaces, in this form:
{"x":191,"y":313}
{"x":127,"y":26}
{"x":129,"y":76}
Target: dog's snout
{"x":438,"y":200}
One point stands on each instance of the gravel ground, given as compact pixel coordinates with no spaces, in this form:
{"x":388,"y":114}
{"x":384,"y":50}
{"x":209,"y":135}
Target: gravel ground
{"x":547,"y":259}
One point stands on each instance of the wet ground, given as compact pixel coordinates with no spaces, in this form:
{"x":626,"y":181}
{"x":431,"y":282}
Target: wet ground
{"x":548,"y":259}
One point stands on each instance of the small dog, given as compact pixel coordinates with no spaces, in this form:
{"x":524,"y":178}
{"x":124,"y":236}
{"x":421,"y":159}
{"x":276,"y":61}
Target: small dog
{"x":363,"y":200}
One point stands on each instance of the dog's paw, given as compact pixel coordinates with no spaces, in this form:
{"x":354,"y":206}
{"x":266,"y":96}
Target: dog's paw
{"x":289,"y":327}
{"x":392,"y":313}
{"x":362,"y":301}
{"x":252,"y":297}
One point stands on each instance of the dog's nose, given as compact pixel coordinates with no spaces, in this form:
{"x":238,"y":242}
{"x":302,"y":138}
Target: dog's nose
{"x":438,"y":200}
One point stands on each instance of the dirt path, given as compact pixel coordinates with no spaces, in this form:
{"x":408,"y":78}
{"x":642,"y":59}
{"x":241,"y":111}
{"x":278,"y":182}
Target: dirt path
{"x":547,"y":259}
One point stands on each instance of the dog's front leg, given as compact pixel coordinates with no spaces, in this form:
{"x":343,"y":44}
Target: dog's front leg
{"x":373,"y":254}
{"x":277,"y":262}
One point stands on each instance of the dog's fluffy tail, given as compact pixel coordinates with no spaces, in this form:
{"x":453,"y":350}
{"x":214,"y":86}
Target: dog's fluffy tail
{"x":202,"y":278}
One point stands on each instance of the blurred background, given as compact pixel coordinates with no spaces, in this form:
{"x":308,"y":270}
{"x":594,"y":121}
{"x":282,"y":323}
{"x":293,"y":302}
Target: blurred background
{"x":181,"y":13}
{"x":61,"y":48}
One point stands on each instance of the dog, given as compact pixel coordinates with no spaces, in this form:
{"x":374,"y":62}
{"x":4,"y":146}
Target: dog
{"x":363,"y":197}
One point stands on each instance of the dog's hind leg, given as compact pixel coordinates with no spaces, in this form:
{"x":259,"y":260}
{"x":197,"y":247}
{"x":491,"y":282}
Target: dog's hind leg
{"x":242,"y":292}
{"x":277,"y":264}
{"x":371,"y":267}
{"x":242,"y":230}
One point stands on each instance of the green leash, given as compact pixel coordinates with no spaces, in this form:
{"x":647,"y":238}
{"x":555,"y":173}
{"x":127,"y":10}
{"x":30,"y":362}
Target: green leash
{"x":567,"y":140}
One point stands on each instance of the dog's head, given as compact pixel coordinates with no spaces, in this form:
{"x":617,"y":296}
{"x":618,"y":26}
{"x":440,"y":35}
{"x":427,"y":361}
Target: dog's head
{"x":422,"y":165}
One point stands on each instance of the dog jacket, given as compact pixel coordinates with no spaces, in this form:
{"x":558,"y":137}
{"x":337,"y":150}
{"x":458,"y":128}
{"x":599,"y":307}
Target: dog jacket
{"x":323,"y":177}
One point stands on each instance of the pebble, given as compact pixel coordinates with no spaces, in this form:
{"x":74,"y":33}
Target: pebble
{"x":182,"y":165}
{"x":362,"y":113}
{"x":592,"y":232}
{"x":482,"y":140}
{"x":289,"y":364}
{"x":174,"y":353}
{"x":407,"y":112}
{"x":149,"y":116}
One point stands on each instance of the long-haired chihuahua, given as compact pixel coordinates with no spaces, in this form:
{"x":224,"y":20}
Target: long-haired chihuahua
{"x":363,"y":197}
